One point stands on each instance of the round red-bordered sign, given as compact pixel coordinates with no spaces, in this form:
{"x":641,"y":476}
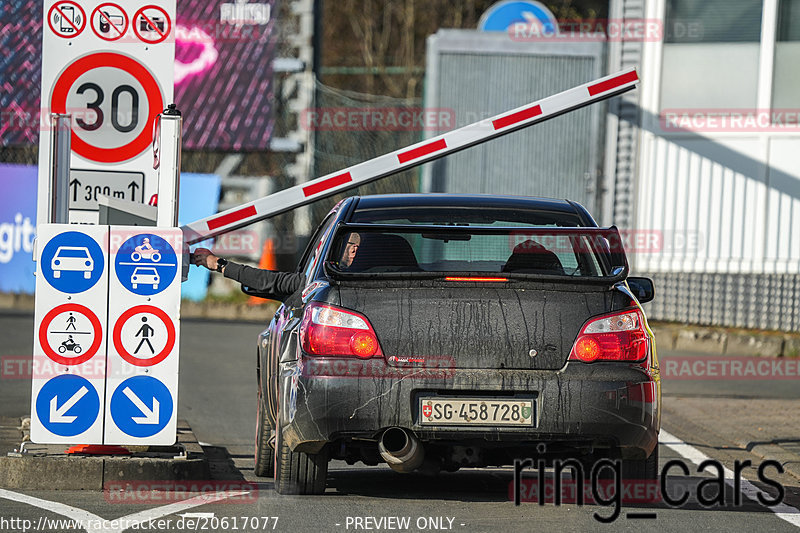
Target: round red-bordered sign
{"x":162,"y":34}
{"x":155,"y":103}
{"x":76,"y":308}
{"x":113,"y":31}
{"x":129,"y":357}
{"x":74,"y":30}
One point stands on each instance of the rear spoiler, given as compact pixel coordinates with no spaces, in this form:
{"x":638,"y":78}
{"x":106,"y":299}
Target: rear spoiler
{"x":605,"y":243}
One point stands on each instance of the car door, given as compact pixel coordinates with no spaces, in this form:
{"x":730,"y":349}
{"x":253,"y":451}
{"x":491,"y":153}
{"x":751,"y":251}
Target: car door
{"x":288,"y":316}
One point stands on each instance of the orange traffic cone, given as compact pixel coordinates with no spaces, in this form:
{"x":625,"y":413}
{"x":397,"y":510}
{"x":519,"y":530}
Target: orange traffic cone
{"x":267,"y":262}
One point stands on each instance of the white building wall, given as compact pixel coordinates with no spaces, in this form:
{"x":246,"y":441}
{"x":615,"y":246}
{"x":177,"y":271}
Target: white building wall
{"x":727,"y":203}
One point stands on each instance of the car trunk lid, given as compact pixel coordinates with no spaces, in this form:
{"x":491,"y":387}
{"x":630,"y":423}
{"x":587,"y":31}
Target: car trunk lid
{"x":477,"y":326}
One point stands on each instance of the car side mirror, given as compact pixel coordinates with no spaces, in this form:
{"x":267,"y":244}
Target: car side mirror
{"x":642,"y":288}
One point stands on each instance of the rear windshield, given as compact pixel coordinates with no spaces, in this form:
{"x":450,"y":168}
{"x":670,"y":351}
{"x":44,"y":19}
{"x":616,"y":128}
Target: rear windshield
{"x":561,"y":252}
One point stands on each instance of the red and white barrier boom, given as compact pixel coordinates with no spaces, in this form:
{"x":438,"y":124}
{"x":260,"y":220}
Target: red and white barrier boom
{"x":411,"y":156}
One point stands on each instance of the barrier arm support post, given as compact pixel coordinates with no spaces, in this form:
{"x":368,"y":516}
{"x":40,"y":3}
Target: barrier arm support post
{"x":411,"y":156}
{"x":60,"y":154}
{"x":169,"y":138}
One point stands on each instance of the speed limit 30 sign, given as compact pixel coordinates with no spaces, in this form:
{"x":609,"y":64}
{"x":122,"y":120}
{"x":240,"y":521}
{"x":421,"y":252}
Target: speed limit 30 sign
{"x":114,"y":79}
{"x":120,"y":130}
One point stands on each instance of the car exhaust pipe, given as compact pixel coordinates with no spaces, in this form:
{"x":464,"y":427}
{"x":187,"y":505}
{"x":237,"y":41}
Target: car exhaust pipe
{"x":401,"y":450}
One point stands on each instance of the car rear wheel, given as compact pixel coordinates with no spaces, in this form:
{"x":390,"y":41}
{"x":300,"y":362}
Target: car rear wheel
{"x":641,"y":468}
{"x":299,"y":472}
{"x":265,"y":454}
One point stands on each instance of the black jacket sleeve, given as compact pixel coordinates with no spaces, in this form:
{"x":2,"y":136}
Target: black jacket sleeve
{"x":274,"y":285}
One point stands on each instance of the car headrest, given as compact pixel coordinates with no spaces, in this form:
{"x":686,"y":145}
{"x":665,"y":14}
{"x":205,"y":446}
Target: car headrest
{"x":388,"y":253}
{"x":530,"y":257}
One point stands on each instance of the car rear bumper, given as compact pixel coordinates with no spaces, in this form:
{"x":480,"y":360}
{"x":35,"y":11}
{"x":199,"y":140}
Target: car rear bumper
{"x":601,"y":403}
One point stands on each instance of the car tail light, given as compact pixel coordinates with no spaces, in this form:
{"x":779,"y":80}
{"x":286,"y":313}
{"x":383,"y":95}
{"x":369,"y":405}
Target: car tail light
{"x":329,"y":330}
{"x":615,"y":337}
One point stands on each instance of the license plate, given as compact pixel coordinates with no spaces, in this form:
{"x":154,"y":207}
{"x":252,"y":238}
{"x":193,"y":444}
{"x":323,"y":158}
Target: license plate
{"x":476,"y":412}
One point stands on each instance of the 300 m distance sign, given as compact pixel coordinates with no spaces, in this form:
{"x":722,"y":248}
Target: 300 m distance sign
{"x":114,"y":100}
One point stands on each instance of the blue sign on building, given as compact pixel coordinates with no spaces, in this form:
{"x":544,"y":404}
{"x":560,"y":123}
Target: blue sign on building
{"x":72,"y":262}
{"x":141,"y":406}
{"x":502,"y":15}
{"x":67,"y":405}
{"x":146,"y":264}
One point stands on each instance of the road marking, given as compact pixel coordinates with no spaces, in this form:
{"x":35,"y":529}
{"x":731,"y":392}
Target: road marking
{"x":55,"y":507}
{"x":85,"y":518}
{"x":782,"y":510}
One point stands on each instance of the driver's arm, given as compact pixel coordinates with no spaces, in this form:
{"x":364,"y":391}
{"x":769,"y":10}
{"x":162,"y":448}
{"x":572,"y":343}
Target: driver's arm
{"x":275,"y":285}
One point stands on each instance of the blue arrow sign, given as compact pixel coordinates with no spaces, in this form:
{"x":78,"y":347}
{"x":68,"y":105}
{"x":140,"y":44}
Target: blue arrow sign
{"x":141,"y":406}
{"x":72,"y":262}
{"x":67,"y":405}
{"x":500,"y":16}
{"x":146,"y":264}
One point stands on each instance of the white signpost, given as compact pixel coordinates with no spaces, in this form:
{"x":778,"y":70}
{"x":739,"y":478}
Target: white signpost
{"x":69,"y":354}
{"x":107,"y":335}
{"x":110,"y":65}
{"x":143,"y":325}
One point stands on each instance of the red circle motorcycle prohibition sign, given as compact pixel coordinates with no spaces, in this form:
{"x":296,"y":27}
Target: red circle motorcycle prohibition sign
{"x":66,"y":19}
{"x":129,"y":357}
{"x":155,"y":104}
{"x":155,"y":21}
{"x":76,"y":308}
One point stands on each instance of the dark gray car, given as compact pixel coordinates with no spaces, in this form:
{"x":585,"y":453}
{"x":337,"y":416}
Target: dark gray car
{"x":468,"y":331}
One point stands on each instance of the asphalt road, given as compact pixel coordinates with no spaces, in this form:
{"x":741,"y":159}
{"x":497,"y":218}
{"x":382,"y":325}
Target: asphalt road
{"x":217,"y":397}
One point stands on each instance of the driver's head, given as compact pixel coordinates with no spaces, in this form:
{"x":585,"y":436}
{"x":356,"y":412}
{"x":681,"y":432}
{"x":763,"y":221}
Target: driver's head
{"x":351,"y":246}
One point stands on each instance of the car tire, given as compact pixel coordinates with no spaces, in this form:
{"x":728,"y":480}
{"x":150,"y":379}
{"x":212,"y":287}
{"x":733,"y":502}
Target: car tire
{"x":56,"y":273}
{"x":299,"y":472}
{"x":643,"y":469}
{"x":265,"y":454}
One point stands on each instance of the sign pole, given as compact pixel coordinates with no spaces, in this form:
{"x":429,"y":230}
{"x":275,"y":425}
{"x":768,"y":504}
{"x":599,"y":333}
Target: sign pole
{"x":60,"y":153}
{"x":169,"y":166}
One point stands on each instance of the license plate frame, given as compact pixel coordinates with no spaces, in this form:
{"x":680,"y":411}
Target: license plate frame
{"x":469,"y":406}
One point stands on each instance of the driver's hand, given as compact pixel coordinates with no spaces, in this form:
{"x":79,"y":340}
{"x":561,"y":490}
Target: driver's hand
{"x":204,"y":257}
